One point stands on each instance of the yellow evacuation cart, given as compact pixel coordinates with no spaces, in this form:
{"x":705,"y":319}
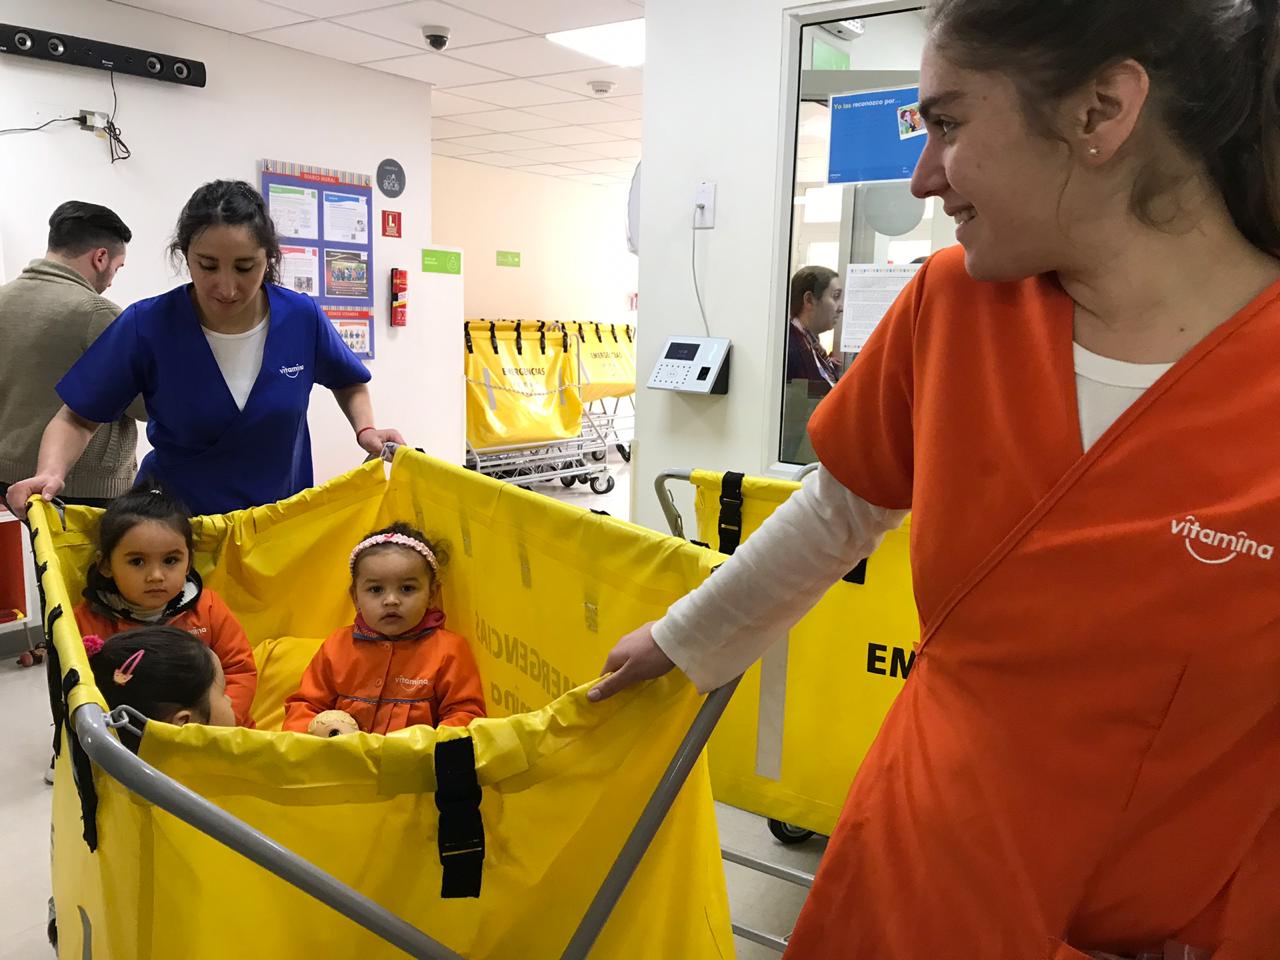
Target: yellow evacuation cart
{"x":591,"y":827}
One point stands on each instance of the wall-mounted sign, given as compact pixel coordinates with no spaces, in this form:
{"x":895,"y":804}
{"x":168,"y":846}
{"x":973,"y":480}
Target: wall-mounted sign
{"x":875,"y":135}
{"x":391,"y":223}
{"x":390,"y":178}
{"x":441,"y":261}
{"x":508,"y":258}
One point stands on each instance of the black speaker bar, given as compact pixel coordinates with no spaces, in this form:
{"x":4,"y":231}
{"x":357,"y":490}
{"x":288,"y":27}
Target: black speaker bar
{"x":79,"y":52}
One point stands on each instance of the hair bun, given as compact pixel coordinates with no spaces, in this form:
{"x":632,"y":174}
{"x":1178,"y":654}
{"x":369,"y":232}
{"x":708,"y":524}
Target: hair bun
{"x":93,"y":644}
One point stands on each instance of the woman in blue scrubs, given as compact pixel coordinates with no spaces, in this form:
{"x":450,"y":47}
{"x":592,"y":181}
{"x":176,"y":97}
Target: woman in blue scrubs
{"x":225,"y":365}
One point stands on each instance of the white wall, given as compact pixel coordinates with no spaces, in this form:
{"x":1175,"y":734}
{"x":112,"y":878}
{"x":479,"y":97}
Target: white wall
{"x":571,"y":236}
{"x":261,"y":101}
{"x":716,"y":117}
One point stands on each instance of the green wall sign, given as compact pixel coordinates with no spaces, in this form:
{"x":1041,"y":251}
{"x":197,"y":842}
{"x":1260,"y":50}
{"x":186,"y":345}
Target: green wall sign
{"x":441,"y":261}
{"x":508,"y":258}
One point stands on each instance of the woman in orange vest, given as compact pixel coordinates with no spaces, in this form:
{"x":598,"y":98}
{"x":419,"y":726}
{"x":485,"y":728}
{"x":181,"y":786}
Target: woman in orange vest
{"x":1080,"y":405}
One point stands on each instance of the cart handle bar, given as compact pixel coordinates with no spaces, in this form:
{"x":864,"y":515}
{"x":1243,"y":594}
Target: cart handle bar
{"x":655,"y":811}
{"x":669,"y":510}
{"x":138,"y":776}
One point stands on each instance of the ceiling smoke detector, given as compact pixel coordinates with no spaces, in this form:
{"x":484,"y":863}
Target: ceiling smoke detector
{"x":601,"y":88}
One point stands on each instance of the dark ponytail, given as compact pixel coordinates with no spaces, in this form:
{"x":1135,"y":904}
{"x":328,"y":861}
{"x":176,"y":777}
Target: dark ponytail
{"x":1214,"y":67}
{"x":229,"y":202}
{"x":175,"y":672}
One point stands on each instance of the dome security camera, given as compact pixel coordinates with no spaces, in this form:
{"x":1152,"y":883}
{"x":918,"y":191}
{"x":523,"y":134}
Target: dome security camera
{"x":437,"y":37}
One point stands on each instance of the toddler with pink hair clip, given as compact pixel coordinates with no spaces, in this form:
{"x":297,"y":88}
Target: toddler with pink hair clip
{"x":164,"y":673}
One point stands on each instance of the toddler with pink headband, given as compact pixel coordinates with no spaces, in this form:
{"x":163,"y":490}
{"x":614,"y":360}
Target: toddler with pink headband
{"x":396,"y":666}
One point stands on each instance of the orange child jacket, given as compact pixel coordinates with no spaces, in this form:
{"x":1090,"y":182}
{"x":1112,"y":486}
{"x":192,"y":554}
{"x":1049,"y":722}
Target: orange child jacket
{"x":390,"y":684}
{"x":1086,"y":756}
{"x":210,"y":620}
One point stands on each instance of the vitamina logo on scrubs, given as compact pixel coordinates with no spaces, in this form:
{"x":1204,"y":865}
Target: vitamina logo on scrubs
{"x":292,"y":372}
{"x":1236,"y":544}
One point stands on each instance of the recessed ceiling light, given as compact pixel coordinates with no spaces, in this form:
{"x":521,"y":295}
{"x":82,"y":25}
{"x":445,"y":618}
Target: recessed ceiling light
{"x":621,"y":44}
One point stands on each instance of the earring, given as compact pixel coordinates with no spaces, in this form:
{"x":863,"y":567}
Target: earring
{"x":1094,"y":152}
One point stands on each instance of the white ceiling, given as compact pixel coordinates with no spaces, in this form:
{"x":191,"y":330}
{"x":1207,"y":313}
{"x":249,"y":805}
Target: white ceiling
{"x":502,"y":94}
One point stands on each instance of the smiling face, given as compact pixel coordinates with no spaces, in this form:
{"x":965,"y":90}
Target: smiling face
{"x":392,"y":589}
{"x":1008,"y":186}
{"x":227,"y":268}
{"x":149,"y":564}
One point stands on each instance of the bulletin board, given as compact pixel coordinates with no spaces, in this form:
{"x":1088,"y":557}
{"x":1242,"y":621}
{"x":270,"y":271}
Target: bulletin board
{"x":324,"y":219}
{"x":875,"y":135}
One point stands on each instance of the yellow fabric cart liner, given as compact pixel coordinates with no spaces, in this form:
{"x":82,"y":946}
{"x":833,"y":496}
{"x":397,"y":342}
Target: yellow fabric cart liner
{"x":522,"y":383}
{"x":803,"y":719}
{"x":607,"y":354}
{"x":541,"y":590}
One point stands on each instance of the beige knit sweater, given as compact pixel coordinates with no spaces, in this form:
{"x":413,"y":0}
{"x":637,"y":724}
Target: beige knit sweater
{"x":49,"y":315}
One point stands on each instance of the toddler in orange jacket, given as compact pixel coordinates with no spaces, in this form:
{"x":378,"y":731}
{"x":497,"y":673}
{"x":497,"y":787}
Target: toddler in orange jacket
{"x":396,"y":666}
{"x":143,"y":576}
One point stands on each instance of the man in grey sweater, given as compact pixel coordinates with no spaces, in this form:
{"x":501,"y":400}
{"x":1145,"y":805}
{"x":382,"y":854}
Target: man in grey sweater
{"x":48,"y":317}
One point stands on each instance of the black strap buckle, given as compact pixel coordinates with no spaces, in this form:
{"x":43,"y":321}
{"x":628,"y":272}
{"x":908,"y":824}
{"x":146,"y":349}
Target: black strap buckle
{"x":460,"y":842}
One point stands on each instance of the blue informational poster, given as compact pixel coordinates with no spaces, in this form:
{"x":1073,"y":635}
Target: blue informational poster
{"x":875,"y":135}
{"x":323,"y":218}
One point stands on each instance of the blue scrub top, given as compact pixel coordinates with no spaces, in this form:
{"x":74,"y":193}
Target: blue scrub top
{"x":213,"y":455}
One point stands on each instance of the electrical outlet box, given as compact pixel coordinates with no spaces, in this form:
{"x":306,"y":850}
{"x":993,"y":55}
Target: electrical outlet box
{"x":704,"y":209}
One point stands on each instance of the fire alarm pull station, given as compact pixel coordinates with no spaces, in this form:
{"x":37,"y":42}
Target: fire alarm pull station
{"x":399,"y":297}
{"x":693,"y":365}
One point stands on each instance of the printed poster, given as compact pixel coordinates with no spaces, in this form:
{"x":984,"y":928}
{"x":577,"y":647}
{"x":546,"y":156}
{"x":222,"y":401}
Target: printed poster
{"x":346,"y":218}
{"x":300,"y":269}
{"x":875,"y":135}
{"x":294,"y":210}
{"x":355,"y":327}
{"x":346,"y":274}
{"x":869,"y":291}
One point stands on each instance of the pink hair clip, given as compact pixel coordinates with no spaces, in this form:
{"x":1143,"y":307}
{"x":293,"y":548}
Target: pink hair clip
{"x":125,"y":673}
{"x":400,"y":540}
{"x":93,"y":644}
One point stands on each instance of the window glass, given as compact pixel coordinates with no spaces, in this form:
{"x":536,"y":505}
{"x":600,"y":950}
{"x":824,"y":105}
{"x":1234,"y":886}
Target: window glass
{"x":858,"y":133}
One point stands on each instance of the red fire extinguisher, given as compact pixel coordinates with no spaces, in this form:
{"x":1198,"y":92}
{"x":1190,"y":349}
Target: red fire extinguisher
{"x":399,"y":297}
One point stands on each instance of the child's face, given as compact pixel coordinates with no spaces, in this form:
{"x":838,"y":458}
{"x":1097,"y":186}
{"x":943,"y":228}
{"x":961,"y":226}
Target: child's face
{"x":149,"y":565}
{"x":393,"y":589}
{"x":221,"y":713}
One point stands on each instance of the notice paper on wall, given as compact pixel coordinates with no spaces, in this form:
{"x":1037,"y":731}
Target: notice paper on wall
{"x":355,"y":327}
{"x":875,"y":135}
{"x":300,"y":269}
{"x":869,"y":291}
{"x":293,"y":210}
{"x":346,"y":218}
{"x":346,"y":274}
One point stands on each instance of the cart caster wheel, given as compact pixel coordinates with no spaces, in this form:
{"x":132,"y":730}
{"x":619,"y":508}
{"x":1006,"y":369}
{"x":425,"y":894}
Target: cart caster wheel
{"x":568,"y":481}
{"x":598,"y":455}
{"x":788,"y":833}
{"x":624,"y":451}
{"x":602,"y":485}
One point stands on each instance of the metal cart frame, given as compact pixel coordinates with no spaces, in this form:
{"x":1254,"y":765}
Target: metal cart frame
{"x":779,"y":871}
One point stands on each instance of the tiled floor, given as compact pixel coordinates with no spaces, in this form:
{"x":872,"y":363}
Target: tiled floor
{"x":24,"y":813}
{"x":616,"y":503}
{"x":757,"y":901}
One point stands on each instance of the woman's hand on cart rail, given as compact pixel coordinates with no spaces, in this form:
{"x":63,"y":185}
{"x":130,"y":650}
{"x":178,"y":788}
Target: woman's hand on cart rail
{"x":46,"y":485}
{"x":372,"y":440}
{"x":634,"y":659}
